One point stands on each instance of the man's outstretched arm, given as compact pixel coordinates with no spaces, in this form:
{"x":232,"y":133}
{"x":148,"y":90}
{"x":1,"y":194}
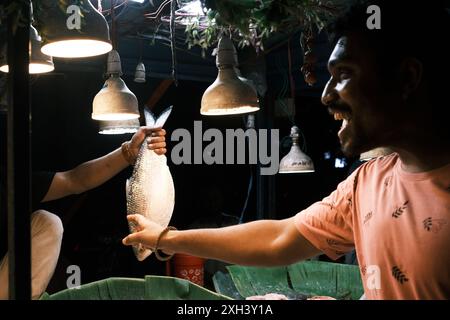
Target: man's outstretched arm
{"x":257,"y":243}
{"x":93,"y":173}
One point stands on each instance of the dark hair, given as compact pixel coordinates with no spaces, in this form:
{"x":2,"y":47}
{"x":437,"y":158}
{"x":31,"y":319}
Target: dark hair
{"x":408,"y":29}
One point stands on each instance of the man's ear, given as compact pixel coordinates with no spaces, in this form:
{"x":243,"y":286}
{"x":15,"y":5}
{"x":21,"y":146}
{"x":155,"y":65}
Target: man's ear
{"x":411,"y":73}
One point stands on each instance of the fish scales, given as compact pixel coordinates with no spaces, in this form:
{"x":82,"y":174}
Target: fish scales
{"x":150,"y":190}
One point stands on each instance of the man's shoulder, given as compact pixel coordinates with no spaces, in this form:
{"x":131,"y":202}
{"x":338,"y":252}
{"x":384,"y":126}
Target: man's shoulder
{"x":376,"y":169}
{"x":384,"y":163}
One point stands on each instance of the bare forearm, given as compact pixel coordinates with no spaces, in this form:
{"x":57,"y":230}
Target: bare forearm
{"x":262,"y":243}
{"x":93,"y":173}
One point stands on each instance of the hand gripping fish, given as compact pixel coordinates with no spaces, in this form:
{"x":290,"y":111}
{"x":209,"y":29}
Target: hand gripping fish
{"x":150,"y":191}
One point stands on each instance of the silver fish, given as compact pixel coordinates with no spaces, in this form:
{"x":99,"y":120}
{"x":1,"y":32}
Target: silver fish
{"x":150,"y":191}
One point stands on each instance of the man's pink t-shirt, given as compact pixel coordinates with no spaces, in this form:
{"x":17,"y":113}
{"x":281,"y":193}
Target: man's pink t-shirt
{"x":399,"y":224}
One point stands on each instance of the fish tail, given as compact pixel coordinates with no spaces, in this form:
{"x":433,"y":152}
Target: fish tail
{"x":156,"y":122}
{"x":150,"y":118}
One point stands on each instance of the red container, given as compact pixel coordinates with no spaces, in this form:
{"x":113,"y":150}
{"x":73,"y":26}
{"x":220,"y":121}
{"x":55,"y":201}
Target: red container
{"x":188,"y":267}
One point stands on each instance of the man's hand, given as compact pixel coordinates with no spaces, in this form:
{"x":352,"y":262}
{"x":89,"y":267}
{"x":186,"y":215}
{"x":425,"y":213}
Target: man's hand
{"x":156,"y":140}
{"x":147,"y":232}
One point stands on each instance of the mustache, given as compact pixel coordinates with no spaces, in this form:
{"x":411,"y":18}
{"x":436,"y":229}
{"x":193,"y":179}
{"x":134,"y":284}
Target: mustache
{"x":338,"y":107}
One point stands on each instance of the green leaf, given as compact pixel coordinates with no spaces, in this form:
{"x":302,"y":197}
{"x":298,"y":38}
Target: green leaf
{"x":150,"y":288}
{"x":325,"y":278}
{"x":267,"y":16}
{"x":308,"y":278}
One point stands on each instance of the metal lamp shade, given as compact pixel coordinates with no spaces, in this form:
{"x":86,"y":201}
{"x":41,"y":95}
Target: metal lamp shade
{"x":115,"y":101}
{"x":119,"y":127}
{"x":39,"y":62}
{"x":90,"y":38}
{"x":228,"y":94}
{"x":139,"y":75}
{"x":296,"y":161}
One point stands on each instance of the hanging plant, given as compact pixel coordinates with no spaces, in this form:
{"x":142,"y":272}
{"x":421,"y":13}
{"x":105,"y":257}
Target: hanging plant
{"x":201,"y":33}
{"x":250,"y":22}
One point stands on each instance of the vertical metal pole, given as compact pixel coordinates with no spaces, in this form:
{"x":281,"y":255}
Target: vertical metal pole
{"x":18,"y":158}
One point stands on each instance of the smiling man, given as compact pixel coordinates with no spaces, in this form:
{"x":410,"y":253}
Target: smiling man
{"x":394,"y":210}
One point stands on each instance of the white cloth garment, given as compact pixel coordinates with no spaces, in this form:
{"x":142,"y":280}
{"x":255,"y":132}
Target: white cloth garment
{"x":46,"y":237}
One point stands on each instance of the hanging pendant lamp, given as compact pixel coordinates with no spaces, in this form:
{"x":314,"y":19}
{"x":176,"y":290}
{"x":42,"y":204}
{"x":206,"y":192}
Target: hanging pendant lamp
{"x":39,"y":62}
{"x":74,"y":31}
{"x":228,"y":94}
{"x":139,"y":75}
{"x":115,"y":101}
{"x":296,"y":161}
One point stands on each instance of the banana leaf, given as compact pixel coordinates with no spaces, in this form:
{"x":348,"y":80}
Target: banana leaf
{"x":169,"y":288}
{"x":150,"y":288}
{"x":107,"y":289}
{"x":251,"y":281}
{"x":320,"y":278}
{"x":297,"y":281}
{"x":224,"y":284}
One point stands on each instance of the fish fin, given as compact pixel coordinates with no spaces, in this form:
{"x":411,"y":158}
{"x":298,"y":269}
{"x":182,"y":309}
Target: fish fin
{"x":162,"y":118}
{"x":150,"y":118}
